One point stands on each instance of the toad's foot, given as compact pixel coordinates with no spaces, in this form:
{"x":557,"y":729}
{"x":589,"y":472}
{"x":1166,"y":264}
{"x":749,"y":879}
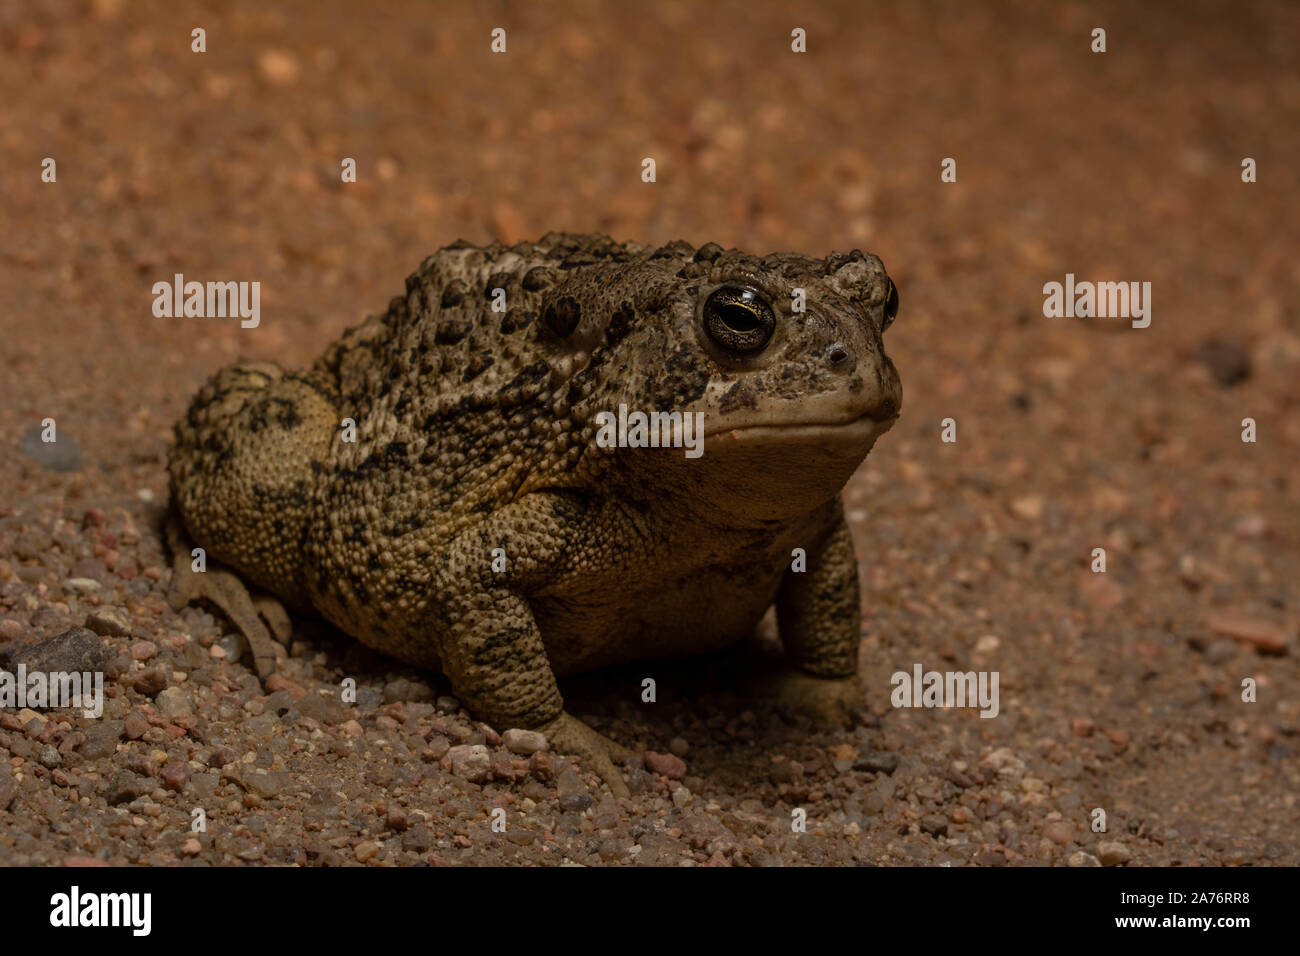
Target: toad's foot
{"x":567,"y":734}
{"x":828,"y":701}
{"x":224,"y":589}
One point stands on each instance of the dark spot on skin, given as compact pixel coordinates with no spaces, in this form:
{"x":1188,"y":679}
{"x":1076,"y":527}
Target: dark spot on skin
{"x":477,"y":365}
{"x":708,"y":252}
{"x":454,"y":294}
{"x":677,"y":249}
{"x":517,"y":319}
{"x":538,"y":278}
{"x":451,"y":332}
{"x":563,"y":316}
{"x":499,"y":280}
{"x":738,"y":396}
{"x":286,"y":413}
{"x":687,"y":376}
{"x":620,"y":324}
{"x":534,"y":374}
{"x":257,"y":415}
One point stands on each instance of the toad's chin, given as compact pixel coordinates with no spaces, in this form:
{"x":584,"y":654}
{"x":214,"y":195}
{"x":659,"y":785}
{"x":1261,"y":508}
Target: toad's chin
{"x":756,"y":474}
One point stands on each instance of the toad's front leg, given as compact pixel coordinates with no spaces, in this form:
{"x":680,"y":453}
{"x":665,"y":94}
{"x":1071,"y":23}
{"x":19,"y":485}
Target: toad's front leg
{"x":489,"y":644}
{"x":819,"y":618}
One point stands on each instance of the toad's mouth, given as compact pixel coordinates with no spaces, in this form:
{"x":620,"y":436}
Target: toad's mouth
{"x":859,"y":430}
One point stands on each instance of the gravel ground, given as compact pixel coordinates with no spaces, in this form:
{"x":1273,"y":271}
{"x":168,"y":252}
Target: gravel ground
{"x":1120,"y":691}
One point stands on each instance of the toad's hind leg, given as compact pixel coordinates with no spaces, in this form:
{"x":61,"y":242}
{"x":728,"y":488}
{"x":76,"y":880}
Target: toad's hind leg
{"x":224,"y":589}
{"x":244,"y":470}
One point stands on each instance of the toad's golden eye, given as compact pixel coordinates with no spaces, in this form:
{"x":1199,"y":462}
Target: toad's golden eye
{"x":891,"y":305}
{"x":738,"y":319}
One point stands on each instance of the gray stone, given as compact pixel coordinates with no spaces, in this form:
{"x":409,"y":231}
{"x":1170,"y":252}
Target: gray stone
{"x":573,"y":793}
{"x":174,"y":702}
{"x":75,"y":650}
{"x":268,"y":784}
{"x":101,"y":739}
{"x":127,"y":786}
{"x":880,"y":762}
{"x":59,"y":455}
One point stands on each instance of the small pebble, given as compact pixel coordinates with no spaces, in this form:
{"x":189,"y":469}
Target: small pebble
{"x":469,"y":762}
{"x":1112,"y":853}
{"x":670,"y":765}
{"x":879,"y":762}
{"x":109,"y":622}
{"x":573,"y":793}
{"x":524,"y":742}
{"x":174,"y":702}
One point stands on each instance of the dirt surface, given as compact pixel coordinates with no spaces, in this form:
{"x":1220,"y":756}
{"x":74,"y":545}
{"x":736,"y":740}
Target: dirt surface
{"x":1119,"y":690}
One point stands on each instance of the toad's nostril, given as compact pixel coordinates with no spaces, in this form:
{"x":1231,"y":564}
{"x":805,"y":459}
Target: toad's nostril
{"x":837,"y":354}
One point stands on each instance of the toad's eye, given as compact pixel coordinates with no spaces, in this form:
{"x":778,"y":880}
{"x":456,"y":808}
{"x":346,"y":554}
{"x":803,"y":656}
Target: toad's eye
{"x":891,"y":305}
{"x":738,"y":319}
